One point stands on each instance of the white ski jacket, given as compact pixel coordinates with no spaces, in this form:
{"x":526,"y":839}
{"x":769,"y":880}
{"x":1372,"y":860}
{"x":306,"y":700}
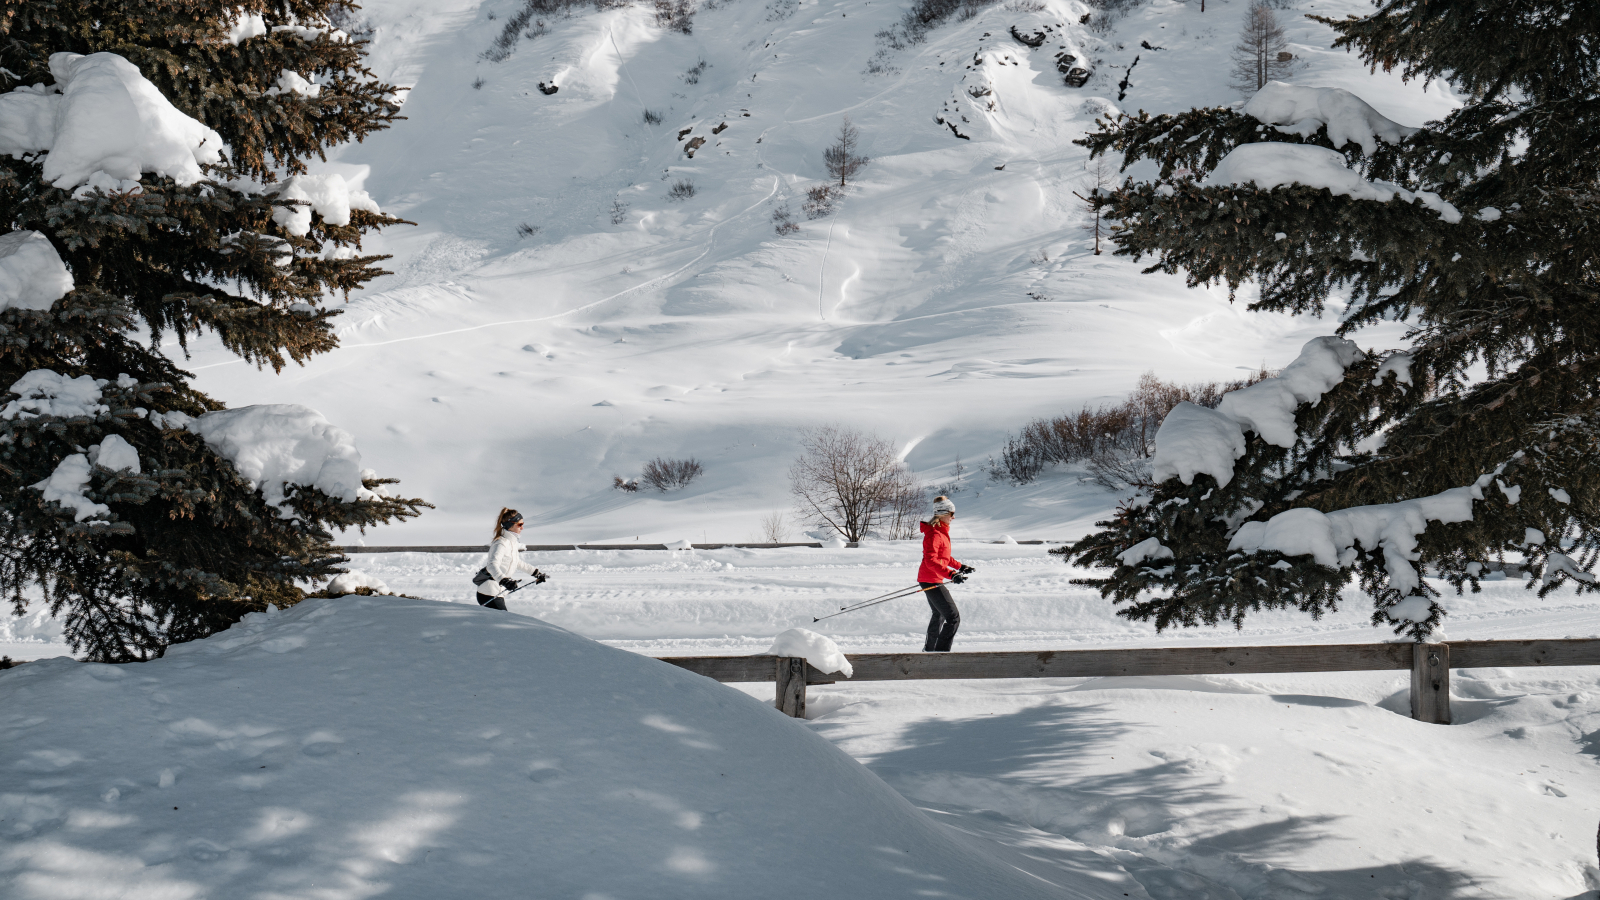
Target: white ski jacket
{"x":503,"y":561}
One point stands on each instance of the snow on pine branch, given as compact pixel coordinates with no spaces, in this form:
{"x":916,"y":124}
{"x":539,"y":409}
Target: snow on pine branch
{"x":1193,"y":439}
{"x":1293,"y":109}
{"x":276,"y":445}
{"x":103,"y":118}
{"x":1269,"y":164}
{"x":1331,"y":538}
{"x":329,"y":194}
{"x":32,"y":275}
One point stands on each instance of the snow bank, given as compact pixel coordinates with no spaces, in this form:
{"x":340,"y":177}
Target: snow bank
{"x":1302,"y":110}
{"x":32,"y":275}
{"x":1194,"y":440}
{"x":329,"y":194}
{"x":281,"y":444}
{"x":107,"y":118}
{"x":1269,"y":164}
{"x":814,"y":648}
{"x":1331,"y":538}
{"x":42,"y":392}
{"x":412,"y":749}
{"x":347,"y":583}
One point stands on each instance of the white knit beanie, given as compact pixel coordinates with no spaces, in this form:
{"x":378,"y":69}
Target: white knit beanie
{"x":943,"y":505}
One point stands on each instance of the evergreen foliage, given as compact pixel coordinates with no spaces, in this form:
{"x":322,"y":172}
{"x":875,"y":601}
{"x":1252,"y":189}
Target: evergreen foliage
{"x":188,"y":546}
{"x":1504,"y":349}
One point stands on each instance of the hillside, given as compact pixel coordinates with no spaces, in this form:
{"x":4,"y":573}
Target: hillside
{"x":952,"y":296}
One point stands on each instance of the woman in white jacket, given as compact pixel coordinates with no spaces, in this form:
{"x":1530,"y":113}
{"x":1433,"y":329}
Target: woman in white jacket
{"x":495,"y":580}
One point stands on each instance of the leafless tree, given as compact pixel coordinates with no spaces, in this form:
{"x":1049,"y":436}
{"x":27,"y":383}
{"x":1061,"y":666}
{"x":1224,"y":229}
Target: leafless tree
{"x":1100,"y":176}
{"x":1262,"y":52}
{"x":775,"y":527}
{"x":842,"y":160}
{"x":853,"y":483}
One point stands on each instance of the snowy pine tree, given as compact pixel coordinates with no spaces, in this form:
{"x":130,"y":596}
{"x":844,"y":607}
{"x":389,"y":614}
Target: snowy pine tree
{"x":1475,"y":440}
{"x":153,"y":189}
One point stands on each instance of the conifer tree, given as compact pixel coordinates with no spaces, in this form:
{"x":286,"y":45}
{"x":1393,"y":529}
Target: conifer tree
{"x":1473,"y":440}
{"x":121,"y":500}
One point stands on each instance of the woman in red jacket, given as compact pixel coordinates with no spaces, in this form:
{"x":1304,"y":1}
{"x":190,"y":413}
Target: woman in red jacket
{"x":937,"y":566}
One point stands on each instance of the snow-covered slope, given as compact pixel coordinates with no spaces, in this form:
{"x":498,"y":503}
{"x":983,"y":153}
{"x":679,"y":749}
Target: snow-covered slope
{"x":952,"y":296}
{"x":401,"y":748}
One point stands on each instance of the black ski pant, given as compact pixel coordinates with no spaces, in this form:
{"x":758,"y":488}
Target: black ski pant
{"x":946,"y":618}
{"x":492,"y":602}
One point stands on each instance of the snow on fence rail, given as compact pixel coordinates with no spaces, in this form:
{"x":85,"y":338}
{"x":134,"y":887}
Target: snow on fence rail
{"x":1429,"y":664}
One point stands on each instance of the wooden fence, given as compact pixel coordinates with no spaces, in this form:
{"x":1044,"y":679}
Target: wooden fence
{"x":1430,"y":665}
{"x":480,"y":548}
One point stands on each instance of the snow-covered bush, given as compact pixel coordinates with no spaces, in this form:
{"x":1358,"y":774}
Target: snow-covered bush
{"x":154,"y":189}
{"x":681,"y":190}
{"x":1474,"y":438}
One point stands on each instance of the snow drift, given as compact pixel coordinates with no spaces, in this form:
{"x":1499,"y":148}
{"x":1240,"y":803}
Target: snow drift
{"x":406,"y":748}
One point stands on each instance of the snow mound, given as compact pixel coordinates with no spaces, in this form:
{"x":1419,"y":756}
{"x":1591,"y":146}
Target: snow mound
{"x":42,"y":392}
{"x":281,"y":444}
{"x":1269,"y":164}
{"x":32,"y":275}
{"x":1294,"y":109}
{"x":349,"y":581}
{"x":413,"y":749}
{"x":814,"y":648}
{"x":1194,"y":440}
{"x":107,"y":118}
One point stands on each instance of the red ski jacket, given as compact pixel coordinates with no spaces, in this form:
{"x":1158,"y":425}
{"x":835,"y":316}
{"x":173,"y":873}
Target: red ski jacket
{"x":936,"y":561}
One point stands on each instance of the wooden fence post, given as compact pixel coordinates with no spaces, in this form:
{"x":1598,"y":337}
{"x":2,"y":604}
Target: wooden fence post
{"x":1430,"y":683}
{"x":791,"y":679}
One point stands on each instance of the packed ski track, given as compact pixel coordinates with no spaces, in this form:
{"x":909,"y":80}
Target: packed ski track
{"x":952,"y":296}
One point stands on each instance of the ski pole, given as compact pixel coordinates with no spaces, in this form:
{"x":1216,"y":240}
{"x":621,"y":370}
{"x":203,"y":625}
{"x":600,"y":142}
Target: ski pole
{"x":890,"y":595}
{"x":863,"y":605}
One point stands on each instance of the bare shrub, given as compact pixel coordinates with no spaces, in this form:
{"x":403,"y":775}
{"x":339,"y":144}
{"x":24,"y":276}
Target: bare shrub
{"x":527,"y":231}
{"x":516,"y":27}
{"x":1113,"y":442}
{"x":783,"y":221}
{"x":682,"y":189}
{"x":1025,"y":6}
{"x":651,"y":117}
{"x":619,"y":212}
{"x":842,"y":160}
{"x":695,"y":71}
{"x":820,"y":201}
{"x":775,"y":527}
{"x":627,"y":485}
{"x":477,"y":84}
{"x":670,"y":474}
{"x":1256,"y":58}
{"x":853,"y":483}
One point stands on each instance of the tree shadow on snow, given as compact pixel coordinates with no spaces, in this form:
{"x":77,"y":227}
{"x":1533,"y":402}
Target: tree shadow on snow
{"x":1020,"y":779}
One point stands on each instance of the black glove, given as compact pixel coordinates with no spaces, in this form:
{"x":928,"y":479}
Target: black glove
{"x":510,"y":585}
{"x":966,"y":570}
{"x":958,"y":578}
{"x":540,"y":577}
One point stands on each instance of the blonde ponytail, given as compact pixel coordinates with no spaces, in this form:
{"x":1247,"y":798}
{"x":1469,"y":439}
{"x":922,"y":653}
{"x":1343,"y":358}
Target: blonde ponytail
{"x":498,"y":518}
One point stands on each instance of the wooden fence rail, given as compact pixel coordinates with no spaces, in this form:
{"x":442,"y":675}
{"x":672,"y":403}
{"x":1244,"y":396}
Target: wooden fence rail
{"x":480,"y":548}
{"x":1430,"y":665}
